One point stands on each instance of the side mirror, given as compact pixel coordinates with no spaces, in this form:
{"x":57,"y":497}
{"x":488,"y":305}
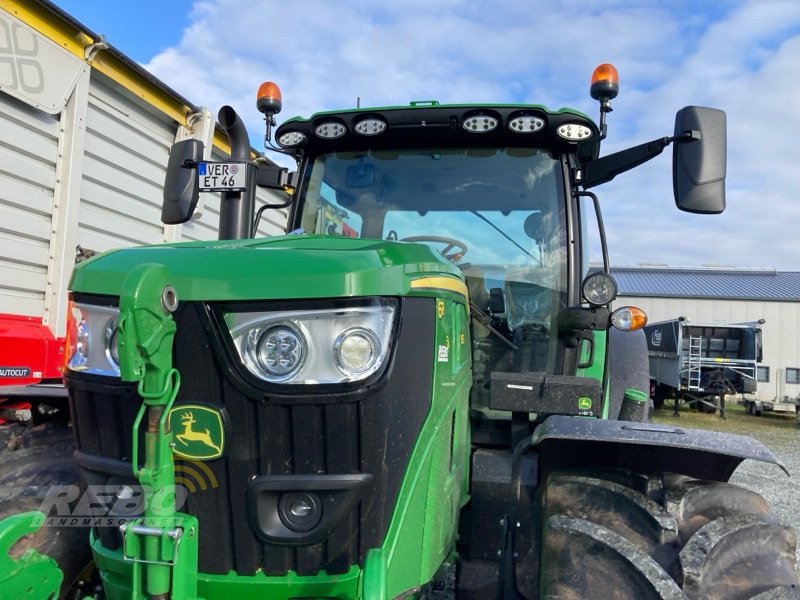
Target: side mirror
{"x":180,"y":185}
{"x":699,"y":161}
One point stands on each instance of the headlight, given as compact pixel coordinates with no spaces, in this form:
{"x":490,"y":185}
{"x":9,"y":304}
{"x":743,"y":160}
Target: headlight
{"x":331,"y":345}
{"x":95,"y":334}
{"x":278,"y":351}
{"x":356,"y":350}
{"x":599,"y":289}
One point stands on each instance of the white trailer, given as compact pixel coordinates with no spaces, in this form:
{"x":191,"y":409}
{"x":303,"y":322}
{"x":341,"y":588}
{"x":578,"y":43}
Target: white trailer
{"x":85,"y":135}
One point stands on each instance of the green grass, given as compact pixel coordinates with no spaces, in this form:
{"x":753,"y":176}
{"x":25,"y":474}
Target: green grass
{"x":736,"y":421}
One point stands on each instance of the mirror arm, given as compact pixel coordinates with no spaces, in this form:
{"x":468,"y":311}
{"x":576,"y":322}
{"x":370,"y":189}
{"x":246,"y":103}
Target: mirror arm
{"x":604,"y":169}
{"x":687,"y":136}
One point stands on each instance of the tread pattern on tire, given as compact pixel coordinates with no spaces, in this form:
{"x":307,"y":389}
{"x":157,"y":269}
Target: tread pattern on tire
{"x":611,"y":533}
{"x":27,"y":474}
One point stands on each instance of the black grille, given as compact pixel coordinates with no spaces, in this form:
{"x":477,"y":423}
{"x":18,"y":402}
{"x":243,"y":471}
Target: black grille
{"x":370,"y":431}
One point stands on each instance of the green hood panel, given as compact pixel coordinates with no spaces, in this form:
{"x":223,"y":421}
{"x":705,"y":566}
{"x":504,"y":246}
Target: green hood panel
{"x":285,"y":267}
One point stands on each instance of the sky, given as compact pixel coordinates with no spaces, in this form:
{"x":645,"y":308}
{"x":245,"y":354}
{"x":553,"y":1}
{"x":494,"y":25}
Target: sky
{"x":742,"y":56}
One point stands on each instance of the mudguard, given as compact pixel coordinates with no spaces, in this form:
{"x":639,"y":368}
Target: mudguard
{"x":569,"y":441}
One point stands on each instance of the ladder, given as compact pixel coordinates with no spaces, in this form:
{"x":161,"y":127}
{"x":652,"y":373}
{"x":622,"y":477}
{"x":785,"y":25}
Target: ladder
{"x":695,"y":358}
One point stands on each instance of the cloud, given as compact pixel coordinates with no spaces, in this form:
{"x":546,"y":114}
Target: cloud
{"x":740,"y":56}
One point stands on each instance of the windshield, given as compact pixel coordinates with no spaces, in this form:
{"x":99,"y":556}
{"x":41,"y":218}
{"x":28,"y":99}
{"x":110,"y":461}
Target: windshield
{"x":497,"y":213}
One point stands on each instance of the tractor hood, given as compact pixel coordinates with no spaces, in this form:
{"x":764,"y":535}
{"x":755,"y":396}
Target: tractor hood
{"x":285,"y":267}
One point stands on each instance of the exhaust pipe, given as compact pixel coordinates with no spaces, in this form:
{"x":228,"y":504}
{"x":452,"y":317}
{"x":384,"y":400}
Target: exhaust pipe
{"x":237,"y":208}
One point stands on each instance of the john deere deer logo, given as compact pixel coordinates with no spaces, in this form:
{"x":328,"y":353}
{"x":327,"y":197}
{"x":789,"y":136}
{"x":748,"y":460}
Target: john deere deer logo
{"x":199,"y":431}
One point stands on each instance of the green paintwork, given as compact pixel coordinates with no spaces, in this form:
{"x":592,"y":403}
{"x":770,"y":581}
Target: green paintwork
{"x":422,"y":532}
{"x":598,"y":367}
{"x":32,"y":575}
{"x":288,"y":267}
{"x":146,"y":333}
{"x":122,"y":571}
{"x":374,"y":580}
{"x":117,"y":574}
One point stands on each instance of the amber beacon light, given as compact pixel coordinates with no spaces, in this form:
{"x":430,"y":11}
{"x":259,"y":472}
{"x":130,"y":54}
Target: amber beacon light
{"x":605,"y":83}
{"x":268,"y":98}
{"x":268,"y":102}
{"x":604,"y":88}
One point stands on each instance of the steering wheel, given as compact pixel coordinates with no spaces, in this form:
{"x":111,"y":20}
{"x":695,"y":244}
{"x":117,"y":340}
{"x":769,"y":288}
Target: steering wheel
{"x":449,"y":244}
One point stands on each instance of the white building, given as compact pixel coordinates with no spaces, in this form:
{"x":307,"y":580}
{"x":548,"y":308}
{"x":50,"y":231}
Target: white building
{"x":727,"y":295}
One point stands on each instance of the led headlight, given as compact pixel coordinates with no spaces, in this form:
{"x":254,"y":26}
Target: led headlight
{"x":370,"y":126}
{"x":330,"y":345}
{"x":526,"y":124}
{"x":94,"y":333}
{"x":355,"y":351}
{"x":574,"y":132}
{"x":330,"y":130}
{"x":292,"y":138}
{"x":480,"y":123}
{"x":599,"y":289}
{"x":277,"y":350}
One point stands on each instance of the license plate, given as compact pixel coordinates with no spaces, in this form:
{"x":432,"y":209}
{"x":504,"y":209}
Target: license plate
{"x":222,"y":176}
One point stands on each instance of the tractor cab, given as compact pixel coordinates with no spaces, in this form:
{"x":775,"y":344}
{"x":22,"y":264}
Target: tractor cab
{"x":498,"y":212}
{"x":493,"y":190}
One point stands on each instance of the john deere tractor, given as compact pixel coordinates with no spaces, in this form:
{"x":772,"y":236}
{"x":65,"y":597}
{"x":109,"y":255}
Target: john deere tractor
{"x":420,"y":391}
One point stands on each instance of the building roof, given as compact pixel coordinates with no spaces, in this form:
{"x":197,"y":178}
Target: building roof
{"x":708,"y":282}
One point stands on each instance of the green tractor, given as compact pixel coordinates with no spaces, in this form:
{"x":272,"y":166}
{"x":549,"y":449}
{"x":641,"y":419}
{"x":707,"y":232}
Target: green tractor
{"x":421,"y":391}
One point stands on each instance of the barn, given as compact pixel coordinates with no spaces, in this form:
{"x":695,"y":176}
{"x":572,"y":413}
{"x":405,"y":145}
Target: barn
{"x":726,"y":294}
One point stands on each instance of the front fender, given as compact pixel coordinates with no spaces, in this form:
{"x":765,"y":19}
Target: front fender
{"x":578,"y":441}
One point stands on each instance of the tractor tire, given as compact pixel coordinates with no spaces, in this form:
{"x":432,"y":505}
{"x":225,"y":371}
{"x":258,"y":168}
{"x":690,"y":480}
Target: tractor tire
{"x":42,"y":458}
{"x":611,"y":533}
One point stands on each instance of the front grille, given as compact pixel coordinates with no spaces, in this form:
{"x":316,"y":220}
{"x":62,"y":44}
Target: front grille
{"x":370,"y":431}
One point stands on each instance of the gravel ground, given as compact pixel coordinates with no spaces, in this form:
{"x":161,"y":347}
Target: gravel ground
{"x":779,"y":433}
{"x":782,"y":492}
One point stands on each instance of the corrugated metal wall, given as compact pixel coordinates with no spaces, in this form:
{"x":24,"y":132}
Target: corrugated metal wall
{"x":127,"y":147}
{"x":780,"y":330}
{"x":123,"y":166}
{"x":28,"y":153}
{"x":123,"y":170}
